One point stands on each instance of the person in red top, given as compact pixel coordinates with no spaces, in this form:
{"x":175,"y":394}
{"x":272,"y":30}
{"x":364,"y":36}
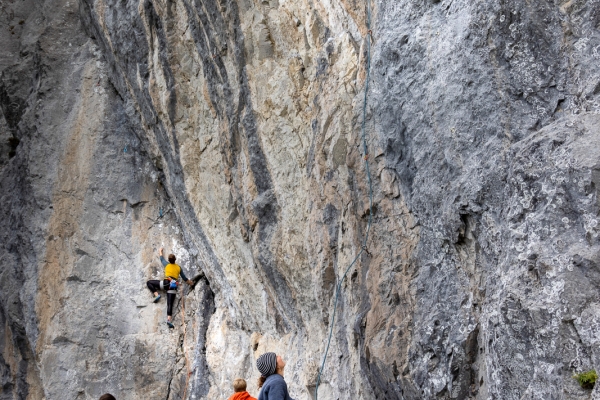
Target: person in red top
{"x":239,"y":387}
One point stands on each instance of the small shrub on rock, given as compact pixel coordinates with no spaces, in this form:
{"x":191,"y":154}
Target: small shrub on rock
{"x":587,"y":379}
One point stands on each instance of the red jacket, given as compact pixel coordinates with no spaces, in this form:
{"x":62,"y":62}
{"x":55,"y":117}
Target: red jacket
{"x":241,"y":396}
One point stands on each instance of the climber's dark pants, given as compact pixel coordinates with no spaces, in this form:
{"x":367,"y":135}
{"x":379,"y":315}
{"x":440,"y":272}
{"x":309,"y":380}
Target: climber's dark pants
{"x":154,"y":286}
{"x":170,"y":302}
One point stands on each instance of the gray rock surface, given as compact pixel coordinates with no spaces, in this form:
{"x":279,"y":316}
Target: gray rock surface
{"x":80,"y":225}
{"x":228,"y":132}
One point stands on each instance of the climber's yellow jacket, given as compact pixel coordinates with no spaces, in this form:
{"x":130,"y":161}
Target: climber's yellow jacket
{"x":172,"y":270}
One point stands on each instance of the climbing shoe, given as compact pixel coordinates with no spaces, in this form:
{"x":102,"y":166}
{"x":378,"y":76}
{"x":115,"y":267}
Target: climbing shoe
{"x":171,"y":326}
{"x":157,"y":298}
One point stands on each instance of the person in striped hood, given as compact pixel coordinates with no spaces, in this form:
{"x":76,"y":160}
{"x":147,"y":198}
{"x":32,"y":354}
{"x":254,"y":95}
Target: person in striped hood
{"x":271,"y":382}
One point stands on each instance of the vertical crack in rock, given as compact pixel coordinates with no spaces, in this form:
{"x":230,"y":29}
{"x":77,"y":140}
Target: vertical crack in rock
{"x":200,"y":385}
{"x":18,"y":346}
{"x":19,"y":322}
{"x":12,"y":319}
{"x":265,"y":205}
{"x":156,"y":27}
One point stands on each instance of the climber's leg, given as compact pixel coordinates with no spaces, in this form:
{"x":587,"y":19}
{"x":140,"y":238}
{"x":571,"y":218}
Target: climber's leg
{"x":154,"y":286}
{"x":170,"y":302}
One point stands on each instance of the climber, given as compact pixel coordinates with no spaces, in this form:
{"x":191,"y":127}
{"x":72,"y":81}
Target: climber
{"x":107,"y":396}
{"x":172,"y":272}
{"x":271,"y":381}
{"x":239,"y":387}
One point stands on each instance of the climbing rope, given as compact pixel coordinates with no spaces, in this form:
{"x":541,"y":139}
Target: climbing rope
{"x":363,"y":248}
{"x":185,"y":353}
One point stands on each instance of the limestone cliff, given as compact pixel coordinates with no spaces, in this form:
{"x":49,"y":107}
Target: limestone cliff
{"x":228,"y":132}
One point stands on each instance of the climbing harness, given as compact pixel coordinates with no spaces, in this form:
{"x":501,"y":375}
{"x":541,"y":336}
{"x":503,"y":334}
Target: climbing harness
{"x":366,"y":158}
{"x":171,"y":286}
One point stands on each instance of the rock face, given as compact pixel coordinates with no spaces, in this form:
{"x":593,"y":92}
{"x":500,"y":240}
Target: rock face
{"x":229,"y":133}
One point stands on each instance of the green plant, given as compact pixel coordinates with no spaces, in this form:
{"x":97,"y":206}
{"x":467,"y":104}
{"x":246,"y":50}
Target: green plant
{"x":587,"y":379}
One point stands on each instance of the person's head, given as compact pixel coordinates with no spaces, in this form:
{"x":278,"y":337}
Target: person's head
{"x":107,"y":396}
{"x":172,"y":258}
{"x":269,"y":364}
{"x":239,"y":385}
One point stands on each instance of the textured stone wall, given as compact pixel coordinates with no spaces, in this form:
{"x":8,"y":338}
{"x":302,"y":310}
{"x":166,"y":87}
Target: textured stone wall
{"x":228,"y":132}
{"x":81,"y":225}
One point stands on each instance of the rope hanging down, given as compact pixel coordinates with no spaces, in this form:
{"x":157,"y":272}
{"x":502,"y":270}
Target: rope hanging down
{"x":366,"y":158}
